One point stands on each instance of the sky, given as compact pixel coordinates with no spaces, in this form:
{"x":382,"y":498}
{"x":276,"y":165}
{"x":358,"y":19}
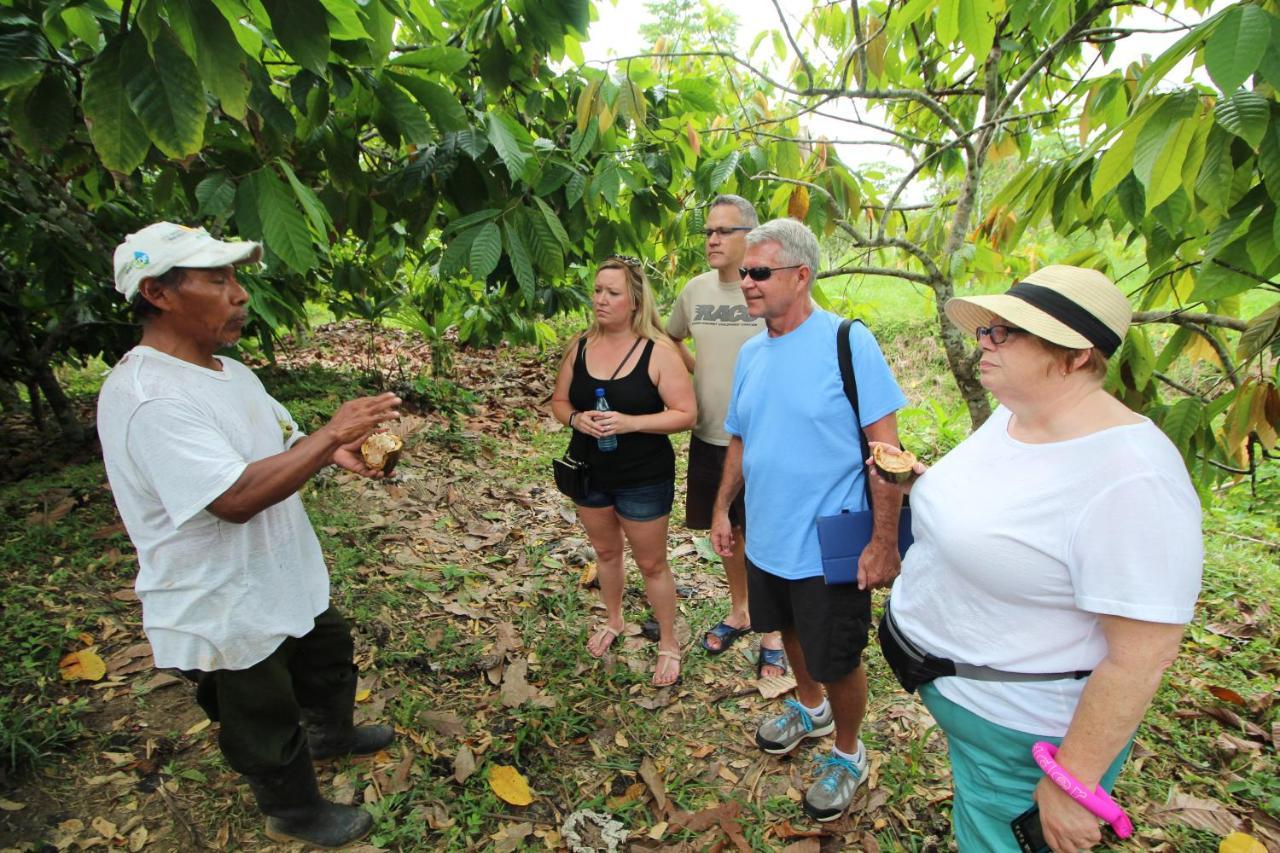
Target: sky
{"x":615,"y":34}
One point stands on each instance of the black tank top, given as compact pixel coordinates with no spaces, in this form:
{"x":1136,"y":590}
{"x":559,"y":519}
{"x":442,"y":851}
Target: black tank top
{"x":642,"y":458}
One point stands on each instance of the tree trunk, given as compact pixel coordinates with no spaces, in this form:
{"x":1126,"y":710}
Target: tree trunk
{"x":959,"y":350}
{"x":10,"y":399}
{"x":37,"y":408}
{"x":65,"y":413}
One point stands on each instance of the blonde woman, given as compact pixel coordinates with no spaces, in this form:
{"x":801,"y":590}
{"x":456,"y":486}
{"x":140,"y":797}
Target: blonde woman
{"x":626,"y":353}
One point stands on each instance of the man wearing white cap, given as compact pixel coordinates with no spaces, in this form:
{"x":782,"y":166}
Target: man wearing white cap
{"x":205,"y":468}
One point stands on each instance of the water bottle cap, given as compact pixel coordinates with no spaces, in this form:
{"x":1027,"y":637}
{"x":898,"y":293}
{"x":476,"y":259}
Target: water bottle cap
{"x":599,"y":392}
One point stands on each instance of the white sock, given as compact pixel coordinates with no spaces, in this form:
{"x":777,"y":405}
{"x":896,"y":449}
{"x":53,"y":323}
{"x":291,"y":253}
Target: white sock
{"x":855,"y":758}
{"x":818,"y":711}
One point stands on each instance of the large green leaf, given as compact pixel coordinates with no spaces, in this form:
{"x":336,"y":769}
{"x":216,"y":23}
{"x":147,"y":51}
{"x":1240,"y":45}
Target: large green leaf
{"x":344,"y":20}
{"x":1181,"y":422}
{"x":1167,"y":177}
{"x":410,"y":119}
{"x":1244,"y":114}
{"x":302,"y":28}
{"x":442,"y":58}
{"x":223,"y":64}
{"x":486,"y":251}
{"x":520,"y":263}
{"x":216,"y":194}
{"x":306,"y":197}
{"x":464,"y":222}
{"x":284,"y":228}
{"x":547,"y":251}
{"x":1259,"y":333}
{"x":977,"y":26}
{"x":167,"y":95}
{"x":553,"y":222}
{"x":723,"y":170}
{"x":1236,"y":46}
{"x":117,"y":134}
{"x":947,"y":23}
{"x":511,"y":141}
{"x":446,"y":110}
{"x":1269,"y":159}
{"x":21,"y":53}
{"x":41,"y":118}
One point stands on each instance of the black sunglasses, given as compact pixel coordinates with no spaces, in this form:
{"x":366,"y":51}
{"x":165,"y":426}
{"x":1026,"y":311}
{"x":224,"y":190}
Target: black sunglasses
{"x":998,"y":334}
{"x":763,"y":273}
{"x":724,"y":232}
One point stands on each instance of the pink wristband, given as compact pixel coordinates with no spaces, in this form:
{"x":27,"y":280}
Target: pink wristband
{"x":1097,"y":801}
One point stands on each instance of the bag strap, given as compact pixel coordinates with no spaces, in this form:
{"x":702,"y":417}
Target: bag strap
{"x":624,"y":359}
{"x":844,"y":355}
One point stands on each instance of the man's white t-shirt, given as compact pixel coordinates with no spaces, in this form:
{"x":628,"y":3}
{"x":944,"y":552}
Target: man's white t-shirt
{"x":175,"y":435}
{"x":1019,"y":547}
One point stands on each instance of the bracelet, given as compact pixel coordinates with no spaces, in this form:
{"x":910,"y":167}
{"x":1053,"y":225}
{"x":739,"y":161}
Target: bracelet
{"x":1098,"y":802}
{"x":572,"y":415}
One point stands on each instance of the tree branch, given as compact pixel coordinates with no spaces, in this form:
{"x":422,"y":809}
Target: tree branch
{"x":1189,"y":318}
{"x":908,"y":275}
{"x":786,"y":28}
{"x":1173,"y":383}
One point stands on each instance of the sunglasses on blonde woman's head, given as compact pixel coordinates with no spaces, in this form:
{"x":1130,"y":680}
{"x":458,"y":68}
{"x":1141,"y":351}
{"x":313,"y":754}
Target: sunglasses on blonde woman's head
{"x":998,"y":334}
{"x":763,"y":273}
{"x":625,"y":259}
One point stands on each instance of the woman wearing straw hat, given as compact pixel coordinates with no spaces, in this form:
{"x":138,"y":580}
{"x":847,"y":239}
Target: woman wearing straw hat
{"x":1057,"y":558}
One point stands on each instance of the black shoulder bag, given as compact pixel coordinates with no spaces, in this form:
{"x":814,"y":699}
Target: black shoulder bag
{"x":843,"y":536}
{"x":571,"y":471}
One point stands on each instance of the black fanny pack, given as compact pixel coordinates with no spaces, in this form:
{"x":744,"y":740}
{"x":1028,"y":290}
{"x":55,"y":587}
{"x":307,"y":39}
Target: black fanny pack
{"x":913,"y":666}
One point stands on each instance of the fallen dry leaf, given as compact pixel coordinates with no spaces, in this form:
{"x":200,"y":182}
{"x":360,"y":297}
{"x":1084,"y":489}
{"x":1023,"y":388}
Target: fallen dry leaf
{"x":11,"y":806}
{"x":775,"y":686}
{"x":197,"y":728}
{"x":1226,"y":694}
{"x":509,"y":785}
{"x":1196,"y":813}
{"x":649,"y":773}
{"x":84,"y":665}
{"x":138,"y":839}
{"x":103,"y":827}
{"x":464,"y":764}
{"x":804,"y":845}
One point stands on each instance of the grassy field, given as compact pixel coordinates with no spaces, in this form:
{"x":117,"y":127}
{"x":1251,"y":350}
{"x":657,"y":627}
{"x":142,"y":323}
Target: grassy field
{"x":462,"y":579}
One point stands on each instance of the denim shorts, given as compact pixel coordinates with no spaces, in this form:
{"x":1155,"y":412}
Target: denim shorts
{"x":637,"y":503}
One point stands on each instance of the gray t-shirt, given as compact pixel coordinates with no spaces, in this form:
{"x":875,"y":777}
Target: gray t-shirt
{"x":715,"y":315}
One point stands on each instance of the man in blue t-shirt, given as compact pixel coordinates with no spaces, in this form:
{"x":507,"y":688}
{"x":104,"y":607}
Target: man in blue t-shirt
{"x":794,"y":443}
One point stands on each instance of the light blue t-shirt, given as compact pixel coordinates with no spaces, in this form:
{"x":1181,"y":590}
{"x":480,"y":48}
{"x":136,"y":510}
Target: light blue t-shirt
{"x":801,"y":455}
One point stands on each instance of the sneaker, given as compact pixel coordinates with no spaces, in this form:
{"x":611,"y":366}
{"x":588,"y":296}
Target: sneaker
{"x":832,"y":792}
{"x":783,"y":733}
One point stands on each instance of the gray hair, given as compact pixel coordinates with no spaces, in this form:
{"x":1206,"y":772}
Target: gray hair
{"x":745,"y":208}
{"x":797,"y":243}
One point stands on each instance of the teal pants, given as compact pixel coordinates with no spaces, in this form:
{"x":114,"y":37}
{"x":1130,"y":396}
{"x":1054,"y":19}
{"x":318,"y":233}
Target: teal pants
{"x":993,"y":774}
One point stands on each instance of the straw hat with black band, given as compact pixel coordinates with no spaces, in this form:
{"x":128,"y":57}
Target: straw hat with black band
{"x":1073,"y":307}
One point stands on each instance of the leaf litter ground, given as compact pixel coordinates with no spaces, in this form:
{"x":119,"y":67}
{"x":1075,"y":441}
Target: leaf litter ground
{"x":463,"y":576}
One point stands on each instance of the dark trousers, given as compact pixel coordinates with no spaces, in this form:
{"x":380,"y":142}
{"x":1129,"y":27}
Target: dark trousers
{"x":259,"y":708}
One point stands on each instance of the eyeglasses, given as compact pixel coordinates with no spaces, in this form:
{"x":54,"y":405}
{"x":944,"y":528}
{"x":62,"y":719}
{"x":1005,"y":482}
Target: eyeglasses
{"x":763,"y":273}
{"x":998,"y":334}
{"x":724,"y":232}
{"x":625,"y":259}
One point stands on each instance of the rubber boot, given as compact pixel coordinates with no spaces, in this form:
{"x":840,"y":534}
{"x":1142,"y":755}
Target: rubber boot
{"x":331,"y":731}
{"x":295,"y":811}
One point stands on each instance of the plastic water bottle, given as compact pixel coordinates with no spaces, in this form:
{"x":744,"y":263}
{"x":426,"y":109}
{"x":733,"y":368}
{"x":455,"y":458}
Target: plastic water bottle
{"x":608,"y":442}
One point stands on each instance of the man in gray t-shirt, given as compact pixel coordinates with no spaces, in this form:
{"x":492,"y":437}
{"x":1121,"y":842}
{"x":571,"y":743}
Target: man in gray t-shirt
{"x":711,"y":310}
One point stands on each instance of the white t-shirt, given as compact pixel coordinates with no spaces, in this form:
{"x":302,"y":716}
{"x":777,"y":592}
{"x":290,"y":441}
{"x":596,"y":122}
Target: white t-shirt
{"x":1019,"y":547}
{"x":714,"y":314}
{"x":175,"y":436}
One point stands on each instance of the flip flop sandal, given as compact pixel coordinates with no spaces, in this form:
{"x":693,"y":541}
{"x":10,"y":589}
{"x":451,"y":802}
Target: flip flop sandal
{"x":675,"y":656}
{"x":726,"y":634}
{"x":613,"y":635}
{"x":771,"y":657}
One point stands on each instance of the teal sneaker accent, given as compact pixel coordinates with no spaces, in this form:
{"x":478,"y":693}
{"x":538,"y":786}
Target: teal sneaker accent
{"x":783,"y":733}
{"x":833,"y":790}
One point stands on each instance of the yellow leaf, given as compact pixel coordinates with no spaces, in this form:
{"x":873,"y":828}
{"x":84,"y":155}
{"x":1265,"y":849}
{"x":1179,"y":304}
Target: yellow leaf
{"x":198,"y":727}
{"x":508,"y":784}
{"x":695,"y":141}
{"x":84,"y":665}
{"x":11,"y":806}
{"x":1240,"y":842}
{"x":363,"y":695}
{"x":798,"y":206}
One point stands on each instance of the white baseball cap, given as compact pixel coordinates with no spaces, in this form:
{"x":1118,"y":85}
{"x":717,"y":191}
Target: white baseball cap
{"x":158,"y":248}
